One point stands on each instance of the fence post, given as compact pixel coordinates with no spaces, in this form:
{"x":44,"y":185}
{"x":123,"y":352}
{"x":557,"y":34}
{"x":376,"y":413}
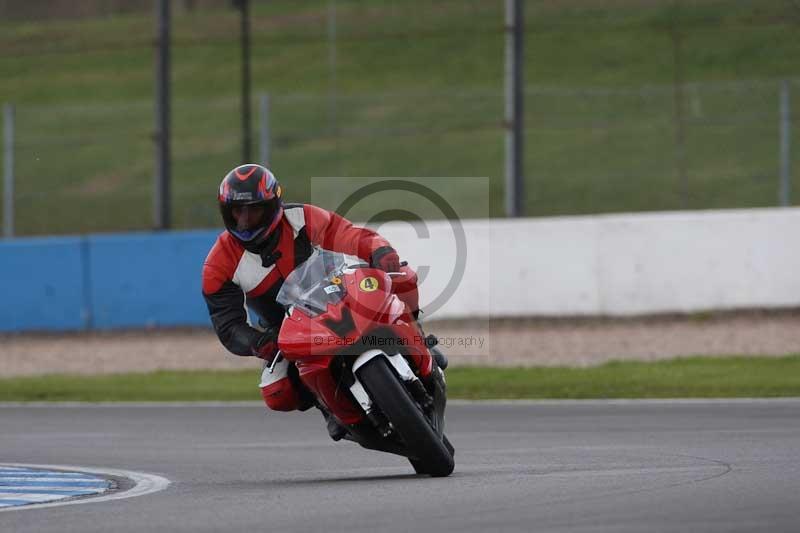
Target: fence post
{"x":514,"y":114}
{"x":332,"y":65}
{"x":333,"y":95}
{"x":679,"y":113}
{"x":163,"y":177}
{"x":263,"y":141}
{"x":8,"y":170}
{"x":785,"y":134}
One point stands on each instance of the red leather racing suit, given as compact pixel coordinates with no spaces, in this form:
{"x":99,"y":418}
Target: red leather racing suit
{"x":234,"y":276}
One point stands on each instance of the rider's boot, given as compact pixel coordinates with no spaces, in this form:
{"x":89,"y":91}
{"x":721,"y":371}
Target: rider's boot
{"x":335,"y":429}
{"x":441,"y":358}
{"x":431,"y":341}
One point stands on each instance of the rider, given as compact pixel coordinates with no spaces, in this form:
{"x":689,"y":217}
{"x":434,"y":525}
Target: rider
{"x":265,"y":240}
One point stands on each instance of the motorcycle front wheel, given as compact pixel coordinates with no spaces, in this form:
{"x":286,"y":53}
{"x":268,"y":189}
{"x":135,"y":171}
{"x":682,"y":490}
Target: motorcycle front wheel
{"x":430,"y":455}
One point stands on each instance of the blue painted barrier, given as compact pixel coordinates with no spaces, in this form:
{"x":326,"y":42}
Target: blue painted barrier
{"x":103,"y":281}
{"x":148,"y":279}
{"x":42,"y":284}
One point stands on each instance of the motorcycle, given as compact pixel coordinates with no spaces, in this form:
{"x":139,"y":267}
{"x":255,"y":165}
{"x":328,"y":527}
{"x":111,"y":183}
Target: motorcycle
{"x":360,"y":352}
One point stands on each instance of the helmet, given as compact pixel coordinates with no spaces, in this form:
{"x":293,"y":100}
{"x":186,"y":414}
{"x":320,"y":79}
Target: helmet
{"x":250,"y":203}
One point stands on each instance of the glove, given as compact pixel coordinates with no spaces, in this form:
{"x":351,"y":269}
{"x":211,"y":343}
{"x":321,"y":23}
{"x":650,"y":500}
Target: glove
{"x":266,"y":346}
{"x":386,"y":259}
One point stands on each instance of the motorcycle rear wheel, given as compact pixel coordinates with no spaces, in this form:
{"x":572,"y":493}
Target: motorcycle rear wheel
{"x":431,"y":455}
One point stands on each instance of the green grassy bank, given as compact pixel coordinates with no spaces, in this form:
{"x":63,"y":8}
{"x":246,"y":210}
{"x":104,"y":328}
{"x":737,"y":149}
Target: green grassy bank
{"x":695,"y":377}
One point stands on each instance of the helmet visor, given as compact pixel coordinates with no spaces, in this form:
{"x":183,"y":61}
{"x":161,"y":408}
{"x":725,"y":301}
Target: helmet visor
{"x":249,"y":221}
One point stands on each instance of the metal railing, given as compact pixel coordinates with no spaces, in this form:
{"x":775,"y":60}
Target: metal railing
{"x":87,"y":167}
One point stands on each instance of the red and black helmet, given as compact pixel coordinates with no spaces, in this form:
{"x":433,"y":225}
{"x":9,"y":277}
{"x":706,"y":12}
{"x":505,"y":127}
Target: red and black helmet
{"x":250,"y":185}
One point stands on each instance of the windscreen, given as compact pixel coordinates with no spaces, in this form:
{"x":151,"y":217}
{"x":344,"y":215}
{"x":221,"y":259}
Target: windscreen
{"x":317,"y":282}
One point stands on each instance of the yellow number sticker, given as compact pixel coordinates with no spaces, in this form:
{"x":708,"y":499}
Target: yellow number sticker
{"x":368,"y":284}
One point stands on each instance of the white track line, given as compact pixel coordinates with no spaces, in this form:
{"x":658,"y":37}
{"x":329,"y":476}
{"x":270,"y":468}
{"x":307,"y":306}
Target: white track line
{"x":634,"y":401}
{"x":143,"y":484}
{"x":623,"y":401}
{"x":15,"y":405}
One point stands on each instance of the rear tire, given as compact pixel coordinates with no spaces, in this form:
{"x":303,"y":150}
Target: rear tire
{"x":431,"y":454}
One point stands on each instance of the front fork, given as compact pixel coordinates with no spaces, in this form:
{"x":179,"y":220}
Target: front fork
{"x":432,"y":406}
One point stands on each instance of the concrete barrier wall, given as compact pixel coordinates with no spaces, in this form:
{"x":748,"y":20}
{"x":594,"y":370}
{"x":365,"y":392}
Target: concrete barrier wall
{"x":615,"y":264}
{"x":594,"y":265}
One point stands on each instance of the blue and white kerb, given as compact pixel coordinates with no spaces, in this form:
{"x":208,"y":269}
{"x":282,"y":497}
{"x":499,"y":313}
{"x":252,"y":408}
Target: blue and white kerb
{"x":23,"y":486}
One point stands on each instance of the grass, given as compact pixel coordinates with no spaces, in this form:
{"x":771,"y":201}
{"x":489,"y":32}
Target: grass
{"x":693,"y":377}
{"x":419,"y":92}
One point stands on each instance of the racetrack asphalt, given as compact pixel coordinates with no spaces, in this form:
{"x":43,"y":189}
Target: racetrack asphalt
{"x":537,"y":466}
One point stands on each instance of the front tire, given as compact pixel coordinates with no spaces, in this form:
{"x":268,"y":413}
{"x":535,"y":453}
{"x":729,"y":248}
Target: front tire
{"x":431,"y":456}
{"x":419,"y":468}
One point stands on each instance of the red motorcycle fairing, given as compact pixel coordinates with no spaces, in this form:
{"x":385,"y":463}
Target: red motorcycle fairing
{"x":369,"y":316}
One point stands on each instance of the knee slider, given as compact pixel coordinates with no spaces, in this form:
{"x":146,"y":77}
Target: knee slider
{"x":280,"y":395}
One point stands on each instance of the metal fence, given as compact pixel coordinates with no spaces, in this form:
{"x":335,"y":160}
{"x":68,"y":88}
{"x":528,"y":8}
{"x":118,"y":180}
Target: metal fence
{"x":588,"y":150}
{"x":608,"y":127}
